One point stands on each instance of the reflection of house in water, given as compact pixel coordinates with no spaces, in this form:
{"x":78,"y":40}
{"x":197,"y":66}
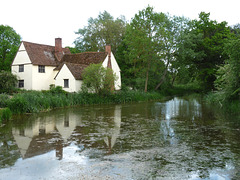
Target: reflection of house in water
{"x":101,"y":129}
{"x":46,"y":134}
{"x":114,"y":132}
{"x":55,"y":132}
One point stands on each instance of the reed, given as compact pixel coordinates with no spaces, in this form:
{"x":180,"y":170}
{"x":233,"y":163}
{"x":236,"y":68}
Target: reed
{"x":37,"y":101}
{"x":218,"y":100}
{"x":5,"y":114}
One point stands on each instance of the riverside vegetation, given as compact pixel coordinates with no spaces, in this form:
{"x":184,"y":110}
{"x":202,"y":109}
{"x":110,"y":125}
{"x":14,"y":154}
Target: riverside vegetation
{"x":37,"y":101}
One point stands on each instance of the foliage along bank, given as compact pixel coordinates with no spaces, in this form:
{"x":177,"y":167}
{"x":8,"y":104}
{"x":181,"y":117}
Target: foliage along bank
{"x":37,"y":101}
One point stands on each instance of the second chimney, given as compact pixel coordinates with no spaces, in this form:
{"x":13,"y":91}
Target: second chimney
{"x":58,"y":45}
{"x":108,"y":49}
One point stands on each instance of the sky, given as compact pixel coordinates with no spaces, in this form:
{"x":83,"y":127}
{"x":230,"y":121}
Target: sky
{"x":41,"y":21}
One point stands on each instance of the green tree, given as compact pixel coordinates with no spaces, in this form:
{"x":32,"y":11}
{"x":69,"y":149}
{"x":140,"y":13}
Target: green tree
{"x":8,"y":82}
{"x":149,"y":47}
{"x":236,"y":30}
{"x":202,"y":49}
{"x":98,"y":79}
{"x":9,"y":43}
{"x":228,"y":75}
{"x":101,"y":31}
{"x":172,"y":36}
{"x":73,"y":50}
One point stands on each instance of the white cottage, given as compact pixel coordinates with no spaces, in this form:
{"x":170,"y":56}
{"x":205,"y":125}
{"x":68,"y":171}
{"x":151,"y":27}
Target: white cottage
{"x":38,"y":66}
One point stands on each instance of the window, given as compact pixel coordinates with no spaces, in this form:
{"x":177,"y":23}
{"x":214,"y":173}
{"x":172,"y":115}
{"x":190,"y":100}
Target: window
{"x":21,"y":83}
{"x":41,"y":69}
{"x":21,"y":132}
{"x":42,"y":131}
{"x":21,"y":68}
{"x":66,"y":83}
{"x":66,"y":121}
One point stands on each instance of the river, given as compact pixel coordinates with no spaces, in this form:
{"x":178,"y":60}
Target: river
{"x":181,"y":138}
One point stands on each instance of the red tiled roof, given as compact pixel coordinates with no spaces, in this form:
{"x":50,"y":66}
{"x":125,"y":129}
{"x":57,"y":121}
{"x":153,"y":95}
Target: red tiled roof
{"x":76,"y":63}
{"x":86,"y":58}
{"x":76,"y":70}
{"x":42,"y":54}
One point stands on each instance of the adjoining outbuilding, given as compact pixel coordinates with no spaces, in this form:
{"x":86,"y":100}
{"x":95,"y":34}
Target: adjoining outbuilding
{"x":39,"y":66}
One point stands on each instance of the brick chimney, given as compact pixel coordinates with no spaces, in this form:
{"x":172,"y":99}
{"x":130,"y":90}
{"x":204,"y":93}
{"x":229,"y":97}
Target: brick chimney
{"x":58,"y":49}
{"x":58,"y":45}
{"x":108,"y":50}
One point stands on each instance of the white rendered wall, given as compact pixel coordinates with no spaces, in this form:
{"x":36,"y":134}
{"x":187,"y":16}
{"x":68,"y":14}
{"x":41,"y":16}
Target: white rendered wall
{"x":78,"y":84}
{"x":65,"y":73}
{"x":33,"y":80}
{"x":116,"y":70}
{"x":42,"y":81}
{"x":22,"y":58}
{"x":26,"y":75}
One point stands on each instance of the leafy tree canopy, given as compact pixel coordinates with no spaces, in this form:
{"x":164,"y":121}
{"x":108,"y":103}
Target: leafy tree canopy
{"x":98,"y":79}
{"x":9,"y":43}
{"x":150,"y":40}
{"x":101,"y":31}
{"x":203,"y":47}
{"x":228,"y":75}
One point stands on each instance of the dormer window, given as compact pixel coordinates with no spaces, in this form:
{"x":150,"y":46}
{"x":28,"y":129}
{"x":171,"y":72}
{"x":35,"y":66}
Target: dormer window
{"x":21,"y":68}
{"x":41,"y":69}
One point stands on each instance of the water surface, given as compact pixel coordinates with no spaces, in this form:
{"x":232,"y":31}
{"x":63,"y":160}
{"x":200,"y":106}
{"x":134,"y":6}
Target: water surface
{"x":177,"y":139}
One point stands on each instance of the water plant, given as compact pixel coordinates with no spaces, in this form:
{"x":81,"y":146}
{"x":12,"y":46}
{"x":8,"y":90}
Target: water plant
{"x":5,"y":114}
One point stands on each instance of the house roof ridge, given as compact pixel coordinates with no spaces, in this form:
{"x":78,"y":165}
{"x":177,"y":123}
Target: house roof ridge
{"x":41,"y":54}
{"x":38,"y":44}
{"x":90,"y":52}
{"x":79,"y":64}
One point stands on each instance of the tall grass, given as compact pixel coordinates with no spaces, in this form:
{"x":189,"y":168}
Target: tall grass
{"x":218,"y":100}
{"x":37,"y":101}
{"x":5,"y":114}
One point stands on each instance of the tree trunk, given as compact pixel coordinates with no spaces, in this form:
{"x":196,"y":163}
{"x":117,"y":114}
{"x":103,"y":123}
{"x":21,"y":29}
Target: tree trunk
{"x":162,"y":79}
{"x":163,"y":76}
{"x":146,"y":81}
{"x":173,"y":80}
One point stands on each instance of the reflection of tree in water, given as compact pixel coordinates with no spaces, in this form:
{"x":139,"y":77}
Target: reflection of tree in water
{"x":100,"y":129}
{"x":9,"y":152}
{"x":187,"y":122}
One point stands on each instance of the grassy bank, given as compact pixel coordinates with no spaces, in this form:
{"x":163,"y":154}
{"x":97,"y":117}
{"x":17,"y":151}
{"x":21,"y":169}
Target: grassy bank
{"x":37,"y":101}
{"x":217,"y":100}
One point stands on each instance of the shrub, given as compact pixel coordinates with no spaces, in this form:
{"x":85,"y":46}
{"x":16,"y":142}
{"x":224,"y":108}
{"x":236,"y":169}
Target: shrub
{"x":57,"y":90}
{"x":4,"y":98}
{"x":98,"y":79}
{"x":8,"y":82}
